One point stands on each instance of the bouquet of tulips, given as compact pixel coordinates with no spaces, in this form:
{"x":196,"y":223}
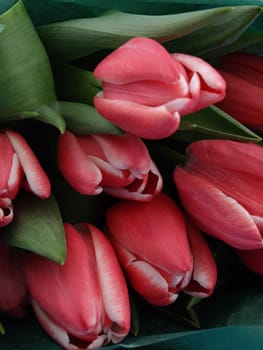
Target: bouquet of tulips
{"x":131,"y":174}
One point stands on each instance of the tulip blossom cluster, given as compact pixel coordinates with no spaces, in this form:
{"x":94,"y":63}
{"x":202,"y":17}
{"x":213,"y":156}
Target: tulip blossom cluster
{"x":155,"y":243}
{"x":146,"y":89}
{"x":19,"y":167}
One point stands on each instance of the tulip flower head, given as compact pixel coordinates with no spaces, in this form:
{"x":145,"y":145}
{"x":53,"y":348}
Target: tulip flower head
{"x":220,"y":187}
{"x":13,"y":289}
{"x":146,"y":89}
{"x":150,"y":240}
{"x":118,"y":165}
{"x":19,"y":167}
{"x":243,"y":74}
{"x":83,"y":304}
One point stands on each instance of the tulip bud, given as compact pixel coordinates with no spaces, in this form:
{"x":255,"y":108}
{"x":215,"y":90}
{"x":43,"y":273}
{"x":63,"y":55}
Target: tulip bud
{"x":83,"y":304}
{"x":13,"y":290}
{"x":19,"y":166}
{"x":118,"y":165}
{"x":220,"y":187}
{"x":151,"y":242}
{"x":146,"y":89}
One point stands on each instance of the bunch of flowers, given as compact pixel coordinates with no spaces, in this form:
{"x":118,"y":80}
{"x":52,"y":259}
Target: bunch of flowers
{"x":130,"y":157}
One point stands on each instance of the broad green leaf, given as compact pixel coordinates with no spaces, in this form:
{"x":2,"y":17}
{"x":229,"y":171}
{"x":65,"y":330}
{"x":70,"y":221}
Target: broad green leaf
{"x":26,"y":78}
{"x":83,"y":119}
{"x":75,"y":84}
{"x":48,"y":11}
{"x":38,"y":227}
{"x":77,"y":38}
{"x":48,"y":114}
{"x":221,"y":32}
{"x":212,"y":122}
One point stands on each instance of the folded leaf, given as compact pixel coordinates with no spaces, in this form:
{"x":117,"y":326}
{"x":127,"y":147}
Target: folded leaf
{"x":83,"y":119}
{"x":223,"y":31}
{"x":26,"y":79}
{"x":77,"y":38}
{"x":37,"y":227}
{"x":212,"y":122}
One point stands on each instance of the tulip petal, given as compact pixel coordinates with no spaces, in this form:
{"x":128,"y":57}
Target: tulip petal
{"x":112,"y":283}
{"x":142,"y":189}
{"x":15,"y":177}
{"x":241,"y":156}
{"x":204,"y":275}
{"x":74,"y":164}
{"x":147,"y":92}
{"x":211,"y":79}
{"x":125,"y":152}
{"x":148,"y":282}
{"x":6,"y":157}
{"x":216,"y":213}
{"x":246,"y":66}
{"x":36,"y":177}
{"x":138,"y":59}
{"x":143,"y":121}
{"x":13,"y":296}
{"x":59,"y":334}
{"x":243,"y":100}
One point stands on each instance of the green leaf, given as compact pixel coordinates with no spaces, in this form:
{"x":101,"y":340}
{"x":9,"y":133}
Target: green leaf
{"x":220,"y":33}
{"x":48,"y":114}
{"x":2,"y":330}
{"x":75,"y":84}
{"x":38,"y":227}
{"x":26,"y":78}
{"x":78,"y":38}
{"x":83,"y":119}
{"x":212,"y":122}
{"x":48,"y":11}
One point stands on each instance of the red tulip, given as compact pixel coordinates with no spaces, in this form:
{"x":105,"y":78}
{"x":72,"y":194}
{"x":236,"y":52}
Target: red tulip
{"x":18,"y":164}
{"x":146,"y":90}
{"x":150,"y":240}
{"x":118,"y":165}
{"x":13,"y":290}
{"x":221,"y":188}
{"x":243,"y":74}
{"x":83,"y":304}
{"x":204,"y":275}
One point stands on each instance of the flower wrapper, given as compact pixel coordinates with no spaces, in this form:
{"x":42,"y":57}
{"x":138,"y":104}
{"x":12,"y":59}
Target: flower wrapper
{"x":231,"y":317}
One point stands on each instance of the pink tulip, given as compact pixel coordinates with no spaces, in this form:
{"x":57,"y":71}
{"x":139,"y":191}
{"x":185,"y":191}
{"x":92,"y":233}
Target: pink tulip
{"x":220,"y":187}
{"x":118,"y":165}
{"x":252,"y":259}
{"x":13,"y":290}
{"x":19,"y":166}
{"x":146,"y":89}
{"x":83,"y":304}
{"x":243,"y":74}
{"x":204,"y":275}
{"x":150,"y":240}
